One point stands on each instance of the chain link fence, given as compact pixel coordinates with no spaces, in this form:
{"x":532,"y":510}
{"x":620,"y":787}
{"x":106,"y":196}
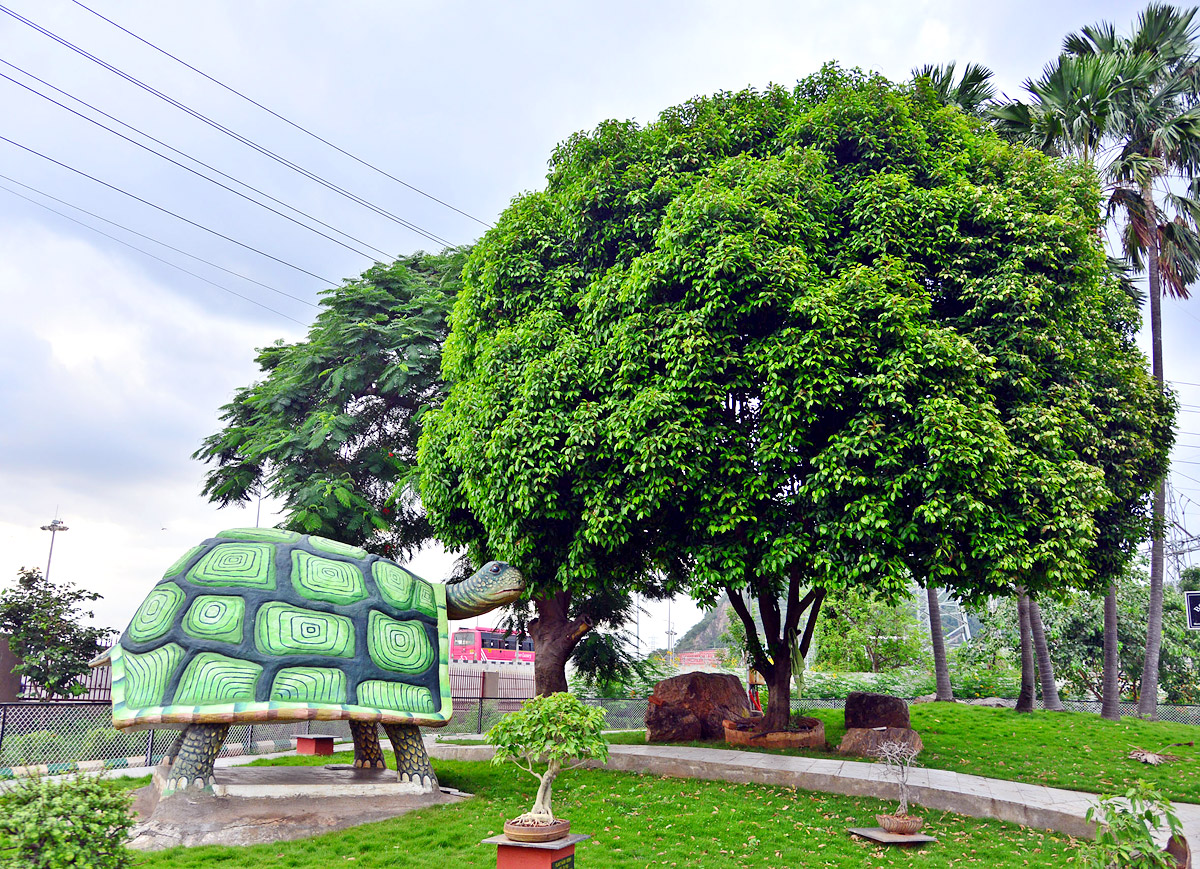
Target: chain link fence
{"x":60,"y":735}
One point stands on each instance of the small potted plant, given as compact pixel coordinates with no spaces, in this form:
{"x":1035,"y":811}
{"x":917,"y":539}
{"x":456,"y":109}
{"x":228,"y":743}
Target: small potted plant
{"x":899,"y":756}
{"x":554,"y":730}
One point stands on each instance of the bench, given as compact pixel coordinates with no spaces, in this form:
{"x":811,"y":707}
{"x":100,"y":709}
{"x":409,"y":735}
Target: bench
{"x":314,"y":744}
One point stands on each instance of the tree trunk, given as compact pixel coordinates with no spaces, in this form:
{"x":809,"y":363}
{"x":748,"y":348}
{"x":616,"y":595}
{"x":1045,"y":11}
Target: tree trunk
{"x":1111,"y":696}
{"x":542,"y":808}
{"x":555,"y":637}
{"x":941,"y":667}
{"x":1148,"y":694}
{"x":779,"y":692}
{"x":1050,"y":698}
{"x":1026,"y":697}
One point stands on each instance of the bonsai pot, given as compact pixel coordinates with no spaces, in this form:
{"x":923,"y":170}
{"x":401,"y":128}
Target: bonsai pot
{"x":901,"y":825}
{"x":529,"y":832}
{"x":748,"y":731}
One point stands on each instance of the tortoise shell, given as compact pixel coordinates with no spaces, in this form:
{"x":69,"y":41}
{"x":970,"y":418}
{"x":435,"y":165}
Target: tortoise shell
{"x":260,"y":624}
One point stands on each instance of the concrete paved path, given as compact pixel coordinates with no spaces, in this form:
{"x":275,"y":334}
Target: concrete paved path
{"x":1031,"y":805}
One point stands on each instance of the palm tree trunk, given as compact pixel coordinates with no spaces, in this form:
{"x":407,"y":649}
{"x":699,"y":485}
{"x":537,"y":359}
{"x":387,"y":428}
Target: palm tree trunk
{"x":1148,"y":695}
{"x":1028,"y":690}
{"x":1111,"y":698}
{"x":941,"y":667}
{"x":1050,"y":698}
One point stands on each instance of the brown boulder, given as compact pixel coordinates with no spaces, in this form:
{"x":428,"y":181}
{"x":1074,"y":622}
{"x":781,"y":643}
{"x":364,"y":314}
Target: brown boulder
{"x":865,"y":741}
{"x":875,"y":710}
{"x":708,"y":698}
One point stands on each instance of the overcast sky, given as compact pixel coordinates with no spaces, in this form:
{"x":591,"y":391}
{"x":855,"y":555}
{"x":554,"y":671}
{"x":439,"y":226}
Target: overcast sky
{"x":114,"y":365}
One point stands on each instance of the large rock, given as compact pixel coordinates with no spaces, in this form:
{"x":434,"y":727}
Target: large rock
{"x":865,"y":741}
{"x":706,"y":699}
{"x":875,"y":710}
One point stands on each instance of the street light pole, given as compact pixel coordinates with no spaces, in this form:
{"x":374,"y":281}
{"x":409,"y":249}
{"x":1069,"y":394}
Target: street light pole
{"x":54,"y":527}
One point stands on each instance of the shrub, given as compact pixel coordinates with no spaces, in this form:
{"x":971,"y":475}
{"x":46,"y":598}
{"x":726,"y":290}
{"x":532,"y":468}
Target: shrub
{"x":53,"y":824}
{"x":1126,"y":836}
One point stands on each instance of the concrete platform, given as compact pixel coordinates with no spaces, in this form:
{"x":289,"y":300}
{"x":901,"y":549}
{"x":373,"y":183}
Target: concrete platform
{"x":251,"y":805}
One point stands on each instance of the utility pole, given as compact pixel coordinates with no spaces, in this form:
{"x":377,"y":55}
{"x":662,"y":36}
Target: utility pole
{"x":54,"y":527}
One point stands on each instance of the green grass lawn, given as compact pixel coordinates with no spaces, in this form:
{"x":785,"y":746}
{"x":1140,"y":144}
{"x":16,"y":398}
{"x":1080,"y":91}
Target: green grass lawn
{"x":643,"y":821}
{"x":638,"y":821}
{"x":1074,"y":750}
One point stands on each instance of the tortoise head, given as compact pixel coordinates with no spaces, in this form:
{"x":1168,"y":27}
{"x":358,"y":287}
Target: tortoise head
{"x":493,"y":585}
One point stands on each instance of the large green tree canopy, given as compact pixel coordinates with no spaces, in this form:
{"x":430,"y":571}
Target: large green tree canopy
{"x":833,"y":336}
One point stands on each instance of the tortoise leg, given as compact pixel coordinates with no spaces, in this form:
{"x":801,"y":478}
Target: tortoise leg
{"x":173,"y":751}
{"x":193,"y":767}
{"x":412,"y":763}
{"x":368,"y":754}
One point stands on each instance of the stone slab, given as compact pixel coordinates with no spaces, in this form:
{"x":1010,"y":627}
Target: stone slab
{"x":879,"y":834}
{"x":553,"y":845}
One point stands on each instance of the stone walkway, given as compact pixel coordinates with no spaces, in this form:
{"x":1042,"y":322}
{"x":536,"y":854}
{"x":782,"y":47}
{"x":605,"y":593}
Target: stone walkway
{"x":1031,"y":805}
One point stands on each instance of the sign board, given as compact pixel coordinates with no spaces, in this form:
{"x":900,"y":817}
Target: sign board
{"x":1191,"y":601}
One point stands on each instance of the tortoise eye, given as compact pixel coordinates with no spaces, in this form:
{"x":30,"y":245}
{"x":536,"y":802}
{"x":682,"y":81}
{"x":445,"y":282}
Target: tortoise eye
{"x":495,"y":568}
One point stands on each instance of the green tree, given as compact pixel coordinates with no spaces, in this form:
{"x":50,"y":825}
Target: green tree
{"x":43,"y":622}
{"x":331,"y":429}
{"x":1074,"y":629}
{"x":861,"y":633}
{"x":810,"y":339}
{"x":1130,"y":102}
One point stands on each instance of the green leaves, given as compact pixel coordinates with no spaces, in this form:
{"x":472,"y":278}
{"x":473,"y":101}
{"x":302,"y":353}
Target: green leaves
{"x":332,"y":428}
{"x":840,"y":336}
{"x":42,"y":620}
{"x":552,"y":727}
{"x":81,"y":821}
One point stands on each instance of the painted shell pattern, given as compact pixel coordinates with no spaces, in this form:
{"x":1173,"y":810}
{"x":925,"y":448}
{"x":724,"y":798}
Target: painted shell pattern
{"x":260,"y":624}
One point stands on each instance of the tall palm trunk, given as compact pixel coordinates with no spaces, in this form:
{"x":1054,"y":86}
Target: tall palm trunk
{"x":1111,"y":697}
{"x":1028,"y":690}
{"x":941,"y":667}
{"x":1148,"y":695}
{"x":1045,"y":667}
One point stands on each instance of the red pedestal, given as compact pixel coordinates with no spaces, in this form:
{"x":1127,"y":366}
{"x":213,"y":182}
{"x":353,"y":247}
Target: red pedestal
{"x":314,"y":745}
{"x":559,"y":854}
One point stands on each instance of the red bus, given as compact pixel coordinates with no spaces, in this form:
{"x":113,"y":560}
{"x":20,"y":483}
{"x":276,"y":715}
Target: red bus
{"x":473,"y":645}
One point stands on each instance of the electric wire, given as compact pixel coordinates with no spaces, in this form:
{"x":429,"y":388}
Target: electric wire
{"x":168,"y":211}
{"x":140,"y":235}
{"x":281,"y":117}
{"x":160,"y":259}
{"x":226,"y":130}
{"x":189,"y":168}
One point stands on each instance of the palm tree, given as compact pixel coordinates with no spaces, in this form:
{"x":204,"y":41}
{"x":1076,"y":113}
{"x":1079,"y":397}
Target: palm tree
{"x":941,"y":667}
{"x":1129,"y":105}
{"x":1045,"y":668}
{"x":1028,"y":692}
{"x":973,"y":92}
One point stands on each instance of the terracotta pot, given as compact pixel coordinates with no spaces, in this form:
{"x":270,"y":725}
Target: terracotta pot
{"x":544,"y":833}
{"x":902,"y":825}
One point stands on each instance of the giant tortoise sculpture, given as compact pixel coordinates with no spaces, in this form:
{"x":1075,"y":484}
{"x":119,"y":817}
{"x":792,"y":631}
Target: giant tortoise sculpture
{"x":259,"y":624}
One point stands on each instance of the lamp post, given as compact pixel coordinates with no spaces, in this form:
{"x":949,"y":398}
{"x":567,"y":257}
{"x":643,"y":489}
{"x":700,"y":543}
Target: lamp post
{"x":670,"y":636}
{"x":54,"y":527}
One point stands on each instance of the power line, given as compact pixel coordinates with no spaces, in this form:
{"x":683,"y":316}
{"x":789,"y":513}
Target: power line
{"x":188,"y":168}
{"x":226,"y":130}
{"x":281,"y":117}
{"x":160,"y":259}
{"x":168,"y":211}
{"x":140,"y":235}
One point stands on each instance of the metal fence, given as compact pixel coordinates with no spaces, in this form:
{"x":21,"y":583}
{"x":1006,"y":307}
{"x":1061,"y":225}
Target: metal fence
{"x":60,"y":734}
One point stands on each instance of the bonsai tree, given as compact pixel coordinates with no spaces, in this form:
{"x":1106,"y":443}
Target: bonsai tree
{"x":551,"y":729}
{"x":898,"y":757}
